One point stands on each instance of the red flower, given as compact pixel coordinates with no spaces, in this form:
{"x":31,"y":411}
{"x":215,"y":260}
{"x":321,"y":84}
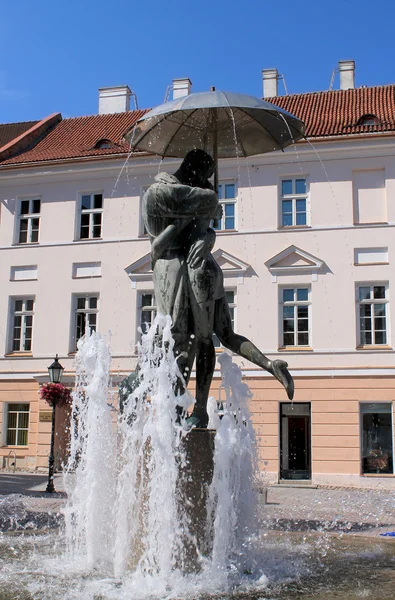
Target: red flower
{"x":56,"y":394}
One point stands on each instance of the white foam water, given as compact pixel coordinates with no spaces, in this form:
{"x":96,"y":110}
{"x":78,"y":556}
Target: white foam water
{"x":125,"y":517}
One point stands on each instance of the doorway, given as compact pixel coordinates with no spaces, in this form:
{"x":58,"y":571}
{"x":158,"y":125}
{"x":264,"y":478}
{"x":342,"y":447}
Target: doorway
{"x":295,"y":440}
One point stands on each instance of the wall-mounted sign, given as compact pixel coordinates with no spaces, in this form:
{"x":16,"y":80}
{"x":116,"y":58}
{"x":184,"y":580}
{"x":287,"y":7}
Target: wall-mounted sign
{"x":45,"y":416}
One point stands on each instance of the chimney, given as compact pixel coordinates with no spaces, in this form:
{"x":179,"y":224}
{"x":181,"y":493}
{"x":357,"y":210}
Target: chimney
{"x":347,"y":74}
{"x":181,"y":87}
{"x":270,"y":83}
{"x":114,"y":99}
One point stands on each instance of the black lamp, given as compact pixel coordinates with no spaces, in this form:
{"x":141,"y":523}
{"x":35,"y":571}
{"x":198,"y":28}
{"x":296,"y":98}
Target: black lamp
{"x":55,"y":371}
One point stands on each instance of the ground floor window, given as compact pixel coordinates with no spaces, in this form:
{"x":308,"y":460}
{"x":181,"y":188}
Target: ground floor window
{"x":376,"y":437}
{"x":17,"y":428}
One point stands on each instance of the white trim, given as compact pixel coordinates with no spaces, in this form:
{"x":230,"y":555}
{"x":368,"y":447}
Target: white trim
{"x":385,"y":301}
{"x":240,"y":267}
{"x":344,"y":147}
{"x":311,"y":268}
{"x":144,"y":239}
{"x":322,"y":373}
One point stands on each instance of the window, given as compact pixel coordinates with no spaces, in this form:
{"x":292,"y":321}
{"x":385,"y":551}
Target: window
{"x":368,"y":120}
{"x":85,"y":315}
{"x":17,"y":428}
{"x":22,"y":324}
{"x":376,"y":437}
{"x":227,"y":199}
{"x":91,"y":212}
{"x":147,"y":310}
{"x":29,"y":221}
{"x":293,"y":202}
{"x":373,"y":319}
{"x":295,"y":317}
{"x":230,"y":297}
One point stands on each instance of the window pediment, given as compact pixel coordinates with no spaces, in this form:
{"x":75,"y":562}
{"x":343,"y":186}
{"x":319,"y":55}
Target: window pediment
{"x":231,"y":266}
{"x":141,"y":269}
{"x":294,"y":260}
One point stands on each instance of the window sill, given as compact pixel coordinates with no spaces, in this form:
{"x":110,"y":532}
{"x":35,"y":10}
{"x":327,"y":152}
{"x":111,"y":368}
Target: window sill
{"x":370,"y":264}
{"x":6,"y":447}
{"x":288,"y":227}
{"x":295,"y":348}
{"x":370,"y":223}
{"x":98,"y":239}
{"x":72,"y":353}
{"x":23,"y":244}
{"x":377,"y":475}
{"x":19,"y":354}
{"x":373,"y":347}
{"x":225,"y":230}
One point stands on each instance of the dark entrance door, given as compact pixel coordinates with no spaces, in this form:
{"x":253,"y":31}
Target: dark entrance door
{"x":295,"y":441}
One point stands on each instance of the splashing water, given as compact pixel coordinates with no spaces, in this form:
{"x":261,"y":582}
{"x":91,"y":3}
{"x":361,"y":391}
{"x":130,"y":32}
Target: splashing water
{"x":128,"y":516}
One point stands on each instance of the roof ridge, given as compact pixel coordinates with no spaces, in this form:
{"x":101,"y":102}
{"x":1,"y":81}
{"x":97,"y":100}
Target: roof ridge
{"x":20,"y":122}
{"x":370,"y":87}
{"x":98,"y":116}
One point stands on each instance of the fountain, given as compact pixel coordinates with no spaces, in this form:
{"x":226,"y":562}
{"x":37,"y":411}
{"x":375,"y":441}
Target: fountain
{"x":159,"y":504}
{"x":127,"y":531}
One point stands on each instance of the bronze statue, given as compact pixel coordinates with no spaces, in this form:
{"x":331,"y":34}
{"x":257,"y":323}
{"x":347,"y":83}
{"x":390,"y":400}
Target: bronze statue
{"x":188,"y":283}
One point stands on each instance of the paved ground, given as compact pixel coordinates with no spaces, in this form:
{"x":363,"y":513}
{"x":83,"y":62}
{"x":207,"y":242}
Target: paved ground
{"x":362,"y":512}
{"x":27,"y":483}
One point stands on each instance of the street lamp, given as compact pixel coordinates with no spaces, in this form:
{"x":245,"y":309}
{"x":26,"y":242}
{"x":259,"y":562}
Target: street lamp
{"x":55,"y":371}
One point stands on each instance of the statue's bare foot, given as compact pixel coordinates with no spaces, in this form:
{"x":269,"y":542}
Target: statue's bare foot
{"x":197,"y":419}
{"x":280,"y":371}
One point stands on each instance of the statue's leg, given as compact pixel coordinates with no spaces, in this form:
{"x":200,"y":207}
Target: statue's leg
{"x":203,"y":316}
{"x":243,"y":347}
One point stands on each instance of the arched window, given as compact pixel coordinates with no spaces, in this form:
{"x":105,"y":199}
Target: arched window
{"x":368,"y":120}
{"x":104,"y":143}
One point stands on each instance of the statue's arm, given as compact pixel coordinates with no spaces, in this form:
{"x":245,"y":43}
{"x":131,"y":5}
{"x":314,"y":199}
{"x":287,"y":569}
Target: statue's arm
{"x":182,"y":201}
{"x":164,"y":239}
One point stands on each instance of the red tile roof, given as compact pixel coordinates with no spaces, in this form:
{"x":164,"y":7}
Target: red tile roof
{"x":29,"y":138}
{"x":10,"y":131}
{"x":77,"y":138}
{"x":326,"y":114}
{"x":338,"y":112}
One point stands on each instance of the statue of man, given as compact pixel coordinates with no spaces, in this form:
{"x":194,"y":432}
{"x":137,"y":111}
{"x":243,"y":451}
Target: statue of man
{"x":188,"y":283}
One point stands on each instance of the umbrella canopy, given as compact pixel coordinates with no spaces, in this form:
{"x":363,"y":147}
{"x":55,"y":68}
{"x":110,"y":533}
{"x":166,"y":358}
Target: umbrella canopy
{"x":223,"y":123}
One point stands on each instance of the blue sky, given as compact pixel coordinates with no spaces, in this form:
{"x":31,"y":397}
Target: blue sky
{"x":55,"y":55}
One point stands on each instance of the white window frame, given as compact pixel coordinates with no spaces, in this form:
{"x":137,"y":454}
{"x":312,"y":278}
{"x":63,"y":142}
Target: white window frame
{"x":295,"y":303}
{"x":232,"y":305}
{"x":23,"y":313}
{"x":372,"y":301}
{"x":6,"y":411}
{"x":228,"y":201}
{"x":153,"y":309}
{"x":86,"y":311}
{"x":29,"y":217}
{"x":294,"y":197}
{"x":89,"y":211}
{"x":367,"y":402}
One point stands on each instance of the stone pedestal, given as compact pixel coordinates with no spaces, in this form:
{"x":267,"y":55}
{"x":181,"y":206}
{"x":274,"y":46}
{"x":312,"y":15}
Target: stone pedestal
{"x":195,"y":479}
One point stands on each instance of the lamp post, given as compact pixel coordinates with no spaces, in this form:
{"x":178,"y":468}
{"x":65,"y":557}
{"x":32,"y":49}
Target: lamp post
{"x":55,"y":371}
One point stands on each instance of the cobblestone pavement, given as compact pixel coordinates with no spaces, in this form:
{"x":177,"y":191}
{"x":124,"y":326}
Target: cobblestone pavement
{"x":362,"y":512}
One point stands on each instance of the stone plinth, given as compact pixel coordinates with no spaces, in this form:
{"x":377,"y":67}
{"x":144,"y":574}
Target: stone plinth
{"x":195,"y":479}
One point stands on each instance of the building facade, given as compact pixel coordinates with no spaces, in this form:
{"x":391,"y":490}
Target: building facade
{"x":307,"y":249}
